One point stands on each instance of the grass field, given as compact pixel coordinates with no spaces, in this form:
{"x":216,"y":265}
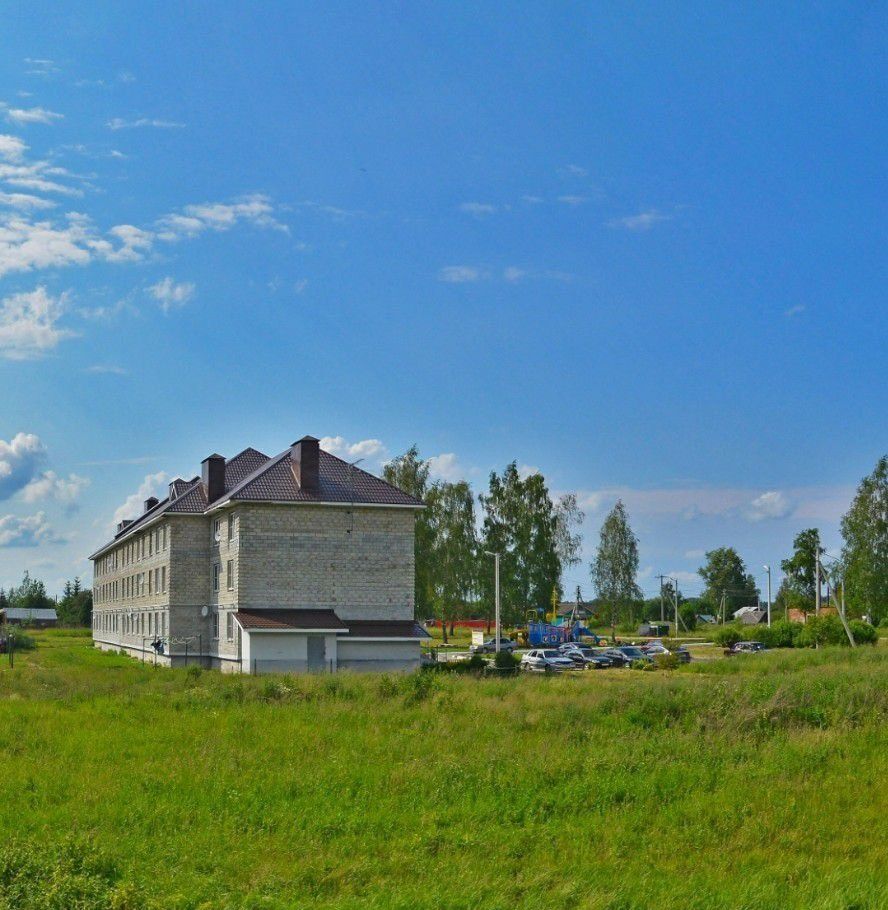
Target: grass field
{"x":745,"y":783}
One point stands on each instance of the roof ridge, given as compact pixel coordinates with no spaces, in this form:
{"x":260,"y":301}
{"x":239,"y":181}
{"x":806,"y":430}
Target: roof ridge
{"x":254,"y":475}
{"x":354,"y":467}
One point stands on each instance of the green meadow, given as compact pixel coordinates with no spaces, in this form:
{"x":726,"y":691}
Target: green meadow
{"x":755,"y":782}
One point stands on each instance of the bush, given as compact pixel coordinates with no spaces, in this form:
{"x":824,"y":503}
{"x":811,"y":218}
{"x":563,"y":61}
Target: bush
{"x":22,"y":641}
{"x":781,"y":634}
{"x":666,"y":661}
{"x":863,"y":632}
{"x":506,"y":660}
{"x":821,"y":630}
{"x":726,"y":636}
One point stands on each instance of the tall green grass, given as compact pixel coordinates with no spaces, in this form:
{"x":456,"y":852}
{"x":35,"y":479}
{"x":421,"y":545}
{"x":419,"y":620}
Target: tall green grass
{"x":747,"y":783}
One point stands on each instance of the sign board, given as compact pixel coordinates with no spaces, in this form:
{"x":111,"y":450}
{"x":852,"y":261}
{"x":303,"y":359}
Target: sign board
{"x":477,"y":636}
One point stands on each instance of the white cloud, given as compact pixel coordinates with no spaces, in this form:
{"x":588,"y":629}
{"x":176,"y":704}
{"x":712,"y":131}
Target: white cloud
{"x":513,"y":274}
{"x":152,"y":485}
{"x":461,"y":274}
{"x":350,"y":451}
{"x":770,"y":505}
{"x":255,"y":209}
{"x":479,"y":209}
{"x":446,"y":466}
{"x":30,"y":531}
{"x":171,"y":295}
{"x":20,"y":460}
{"x":794,"y":310}
{"x":50,"y":486}
{"x":574,"y":170}
{"x":527,"y":470}
{"x":573,"y":200}
{"x":106,"y":368}
{"x":11,"y":147}
{"x":643,"y":221}
{"x":533,"y":200}
{"x":40,"y":66}
{"x":25,"y":201}
{"x":119,"y":123}
{"x":31,"y":115}
{"x":28,"y":324}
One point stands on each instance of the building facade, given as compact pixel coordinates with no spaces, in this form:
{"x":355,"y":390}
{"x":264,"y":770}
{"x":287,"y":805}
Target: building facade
{"x":290,"y":563}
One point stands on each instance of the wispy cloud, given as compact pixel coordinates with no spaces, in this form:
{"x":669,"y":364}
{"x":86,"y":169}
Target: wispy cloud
{"x":25,"y":201}
{"x":106,"y":369}
{"x":171,"y":294}
{"x":461,"y":274}
{"x":49,"y":485}
{"x":120,"y":123}
{"x":446,"y":466}
{"x":573,"y":200}
{"x":11,"y":147}
{"x":574,"y":170}
{"x":794,"y":310}
{"x":31,"y":531}
{"x":24,"y":116}
{"x":643,"y":221}
{"x":41,"y":66}
{"x":29,"y":324}
{"x":478,"y":209}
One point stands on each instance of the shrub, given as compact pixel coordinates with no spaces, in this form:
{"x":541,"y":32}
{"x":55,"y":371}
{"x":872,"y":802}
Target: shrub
{"x":666,"y":661}
{"x":781,"y":634}
{"x":506,"y":660}
{"x":22,"y":641}
{"x":821,"y":630}
{"x":729,"y":635}
{"x":863,"y":632}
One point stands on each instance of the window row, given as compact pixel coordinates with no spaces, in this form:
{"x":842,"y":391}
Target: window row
{"x":142,"y":623}
{"x":157,"y":540}
{"x":141,"y":584}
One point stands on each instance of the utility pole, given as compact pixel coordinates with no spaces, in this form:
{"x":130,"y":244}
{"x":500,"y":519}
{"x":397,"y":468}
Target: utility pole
{"x":768,"y":570}
{"x":675,"y":595}
{"x":496,"y":587}
{"x":662,"y":601}
{"x":817,"y":580}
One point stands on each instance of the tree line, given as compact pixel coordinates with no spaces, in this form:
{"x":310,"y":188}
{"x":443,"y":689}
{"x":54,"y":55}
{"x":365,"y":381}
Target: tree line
{"x":538,"y":539}
{"x":73,"y":608}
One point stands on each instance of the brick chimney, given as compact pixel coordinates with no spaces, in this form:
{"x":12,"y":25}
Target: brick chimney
{"x":213,"y":476}
{"x":305,"y":454}
{"x":150,"y":503}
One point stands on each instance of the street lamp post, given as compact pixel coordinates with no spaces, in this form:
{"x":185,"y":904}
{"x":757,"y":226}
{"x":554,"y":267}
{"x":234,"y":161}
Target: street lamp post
{"x":496,"y":587}
{"x":768,"y":570}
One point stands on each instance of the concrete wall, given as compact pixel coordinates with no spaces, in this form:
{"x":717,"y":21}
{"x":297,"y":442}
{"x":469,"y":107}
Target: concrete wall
{"x":284,"y":652}
{"x":369,"y":655}
{"x":359,"y":564}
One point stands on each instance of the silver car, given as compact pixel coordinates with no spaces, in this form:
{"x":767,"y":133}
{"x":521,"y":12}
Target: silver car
{"x":546,"y":660}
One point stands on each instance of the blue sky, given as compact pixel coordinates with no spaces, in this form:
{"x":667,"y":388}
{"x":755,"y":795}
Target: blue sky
{"x":640,"y":248}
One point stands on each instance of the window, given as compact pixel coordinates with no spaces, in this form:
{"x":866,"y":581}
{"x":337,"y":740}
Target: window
{"x":163,"y":579}
{"x":150,"y":573}
{"x":216,"y":624}
{"x":217,"y":529}
{"x":229,"y":575}
{"x":150,"y":543}
{"x":229,"y":626}
{"x":216,"y":568}
{"x":231,"y":526}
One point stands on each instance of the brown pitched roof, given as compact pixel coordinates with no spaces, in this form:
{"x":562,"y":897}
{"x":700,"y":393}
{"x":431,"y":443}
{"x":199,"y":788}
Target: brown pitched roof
{"x":251,"y":476}
{"x":372,"y":628}
{"x":275,"y":481}
{"x":289,"y":620}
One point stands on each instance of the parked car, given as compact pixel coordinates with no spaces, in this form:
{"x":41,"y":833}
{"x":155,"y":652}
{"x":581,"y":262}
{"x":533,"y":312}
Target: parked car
{"x":745,"y":647}
{"x":585,"y":656}
{"x":489,"y":647}
{"x":547,"y":660}
{"x":682,"y":653}
{"x":655,"y":647}
{"x":625,"y":655}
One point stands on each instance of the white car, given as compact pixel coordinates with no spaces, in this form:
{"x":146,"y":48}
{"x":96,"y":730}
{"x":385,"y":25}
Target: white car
{"x":546,"y":660}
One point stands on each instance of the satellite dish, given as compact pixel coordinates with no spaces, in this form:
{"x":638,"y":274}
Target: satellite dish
{"x":204,"y":611}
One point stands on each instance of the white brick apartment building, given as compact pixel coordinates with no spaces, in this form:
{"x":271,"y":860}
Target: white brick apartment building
{"x":296,"y":562}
